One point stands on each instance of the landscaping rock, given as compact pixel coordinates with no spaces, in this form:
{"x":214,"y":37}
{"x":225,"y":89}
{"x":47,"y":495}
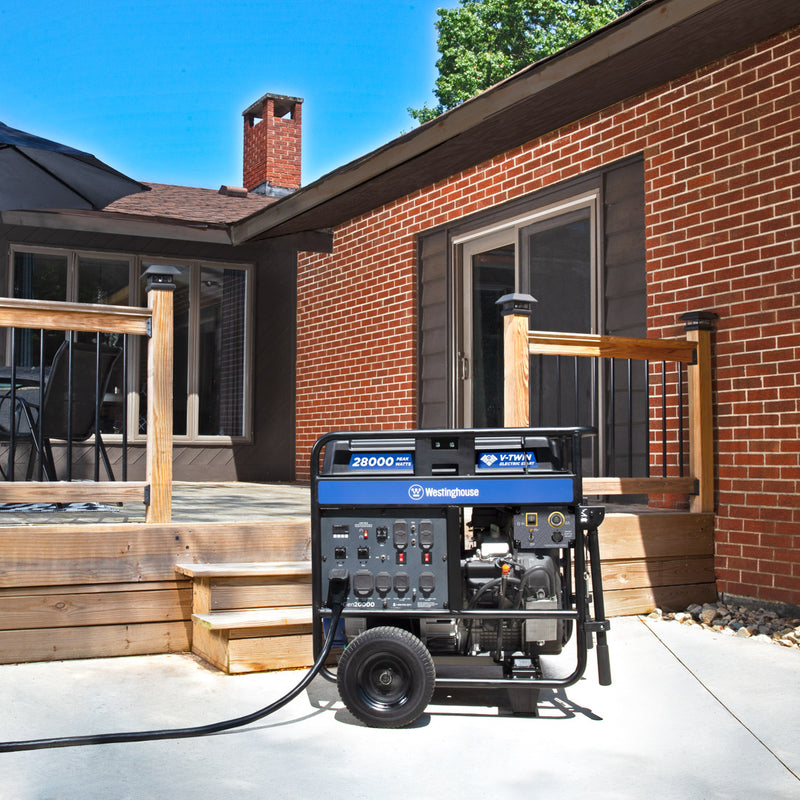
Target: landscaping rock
{"x":694,"y":610}
{"x":762,"y":625}
{"x":709,"y":613}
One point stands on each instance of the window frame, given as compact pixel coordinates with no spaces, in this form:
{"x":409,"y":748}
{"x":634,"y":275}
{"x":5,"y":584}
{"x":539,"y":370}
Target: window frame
{"x":137,"y":264}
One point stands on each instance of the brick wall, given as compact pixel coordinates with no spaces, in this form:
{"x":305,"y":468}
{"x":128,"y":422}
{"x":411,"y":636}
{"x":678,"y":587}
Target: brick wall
{"x":722,"y":193}
{"x":723,"y":233}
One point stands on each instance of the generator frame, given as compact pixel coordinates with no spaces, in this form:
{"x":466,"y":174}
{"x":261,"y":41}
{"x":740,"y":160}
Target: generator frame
{"x":448,"y":458}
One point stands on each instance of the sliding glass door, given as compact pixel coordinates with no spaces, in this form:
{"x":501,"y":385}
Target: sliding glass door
{"x":551,"y":255}
{"x":490,"y":273}
{"x":559,"y":270}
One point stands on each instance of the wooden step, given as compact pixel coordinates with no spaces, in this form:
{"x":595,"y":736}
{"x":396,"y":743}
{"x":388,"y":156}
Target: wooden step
{"x":254,"y":640}
{"x":251,"y":616}
{"x":263,"y":618}
{"x":266,"y":569}
{"x":236,"y":651}
{"x":233,"y":586}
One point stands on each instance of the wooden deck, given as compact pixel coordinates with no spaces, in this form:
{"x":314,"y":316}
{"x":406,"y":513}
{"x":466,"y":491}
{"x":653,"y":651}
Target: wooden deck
{"x":191,"y":502}
{"x":104,"y":583}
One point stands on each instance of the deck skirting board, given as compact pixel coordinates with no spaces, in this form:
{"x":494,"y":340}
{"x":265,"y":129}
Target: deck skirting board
{"x":87,"y":591}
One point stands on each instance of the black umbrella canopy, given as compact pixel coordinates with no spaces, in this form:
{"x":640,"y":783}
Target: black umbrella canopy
{"x":37,"y":173}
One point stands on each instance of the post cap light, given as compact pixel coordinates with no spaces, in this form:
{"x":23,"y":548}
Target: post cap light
{"x":516,"y":303}
{"x":699,"y":320}
{"x":159,"y":276}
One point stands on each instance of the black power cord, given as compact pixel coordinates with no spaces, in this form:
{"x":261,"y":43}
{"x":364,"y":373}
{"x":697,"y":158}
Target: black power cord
{"x":337,"y":593}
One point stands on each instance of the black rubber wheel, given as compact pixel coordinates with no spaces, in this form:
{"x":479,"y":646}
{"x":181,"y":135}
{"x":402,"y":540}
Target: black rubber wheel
{"x":386,"y":677}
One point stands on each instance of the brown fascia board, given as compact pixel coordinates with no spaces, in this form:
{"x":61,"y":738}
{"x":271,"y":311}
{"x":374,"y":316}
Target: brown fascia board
{"x":659,"y":41}
{"x":121,"y":224}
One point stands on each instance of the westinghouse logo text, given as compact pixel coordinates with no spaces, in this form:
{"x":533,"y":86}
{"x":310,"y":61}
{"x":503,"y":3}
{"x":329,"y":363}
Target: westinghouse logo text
{"x":417,"y":492}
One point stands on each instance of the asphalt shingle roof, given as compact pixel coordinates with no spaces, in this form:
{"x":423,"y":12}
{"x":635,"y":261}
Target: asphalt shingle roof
{"x":165,"y":201}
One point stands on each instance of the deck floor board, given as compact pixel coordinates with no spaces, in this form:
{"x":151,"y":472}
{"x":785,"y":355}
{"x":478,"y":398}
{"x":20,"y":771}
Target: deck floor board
{"x":191,"y":502}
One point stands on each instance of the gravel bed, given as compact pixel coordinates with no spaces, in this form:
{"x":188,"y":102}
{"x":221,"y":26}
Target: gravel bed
{"x":730,"y":619}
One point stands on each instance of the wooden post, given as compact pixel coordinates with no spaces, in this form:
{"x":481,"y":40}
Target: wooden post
{"x":516,"y":311}
{"x":160,"y":290}
{"x":699,"y":327}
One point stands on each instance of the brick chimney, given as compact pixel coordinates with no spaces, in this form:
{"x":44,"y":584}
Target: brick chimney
{"x":272,"y":145}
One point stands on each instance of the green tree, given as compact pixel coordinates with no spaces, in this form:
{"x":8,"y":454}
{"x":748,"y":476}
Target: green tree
{"x":482,"y":42}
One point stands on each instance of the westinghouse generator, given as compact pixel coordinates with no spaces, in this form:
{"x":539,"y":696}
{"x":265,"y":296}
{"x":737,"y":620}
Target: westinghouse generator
{"x":465,"y":552}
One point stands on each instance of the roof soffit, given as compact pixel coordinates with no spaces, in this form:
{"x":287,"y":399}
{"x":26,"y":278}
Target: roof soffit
{"x":660,"y":41}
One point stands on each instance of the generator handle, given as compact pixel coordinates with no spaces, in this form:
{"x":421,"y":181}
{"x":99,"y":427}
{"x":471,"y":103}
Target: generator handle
{"x":601,"y":623}
{"x":575,"y":432}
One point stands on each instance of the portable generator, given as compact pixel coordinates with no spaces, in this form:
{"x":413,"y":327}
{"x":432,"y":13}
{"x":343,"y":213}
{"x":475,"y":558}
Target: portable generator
{"x":465,"y":558}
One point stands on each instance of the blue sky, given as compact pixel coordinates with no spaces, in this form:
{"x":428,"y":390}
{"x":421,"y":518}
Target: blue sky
{"x":157,"y":87}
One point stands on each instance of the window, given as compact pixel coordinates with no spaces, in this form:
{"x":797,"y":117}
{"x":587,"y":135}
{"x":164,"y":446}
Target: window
{"x":212,"y":329}
{"x":64,"y":275}
{"x":211,"y":352}
{"x":39,"y":276}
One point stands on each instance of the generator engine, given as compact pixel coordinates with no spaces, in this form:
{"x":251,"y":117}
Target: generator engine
{"x":500,"y":573}
{"x":460,"y":549}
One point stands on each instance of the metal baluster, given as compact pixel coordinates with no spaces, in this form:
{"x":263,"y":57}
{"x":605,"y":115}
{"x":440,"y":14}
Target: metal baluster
{"x":612,"y":418}
{"x":647,"y":417}
{"x":97,"y":401}
{"x":630,"y":418}
{"x":680,"y":418}
{"x":575,"y":379}
{"x":663,"y":419}
{"x":558,"y":391}
{"x":12,"y":415}
{"x":40,"y":420}
{"x":596,"y":403}
{"x":69,"y":403}
{"x":125,"y":407}
{"x":539,"y":390}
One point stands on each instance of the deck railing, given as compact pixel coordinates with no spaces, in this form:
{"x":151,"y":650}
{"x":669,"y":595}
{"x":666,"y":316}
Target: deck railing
{"x":665,"y":420}
{"x":156,"y":324}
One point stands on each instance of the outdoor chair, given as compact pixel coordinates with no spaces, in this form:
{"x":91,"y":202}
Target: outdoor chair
{"x":87,"y":377}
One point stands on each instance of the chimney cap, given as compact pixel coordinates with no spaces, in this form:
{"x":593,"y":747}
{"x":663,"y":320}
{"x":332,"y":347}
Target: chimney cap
{"x":283,"y":104}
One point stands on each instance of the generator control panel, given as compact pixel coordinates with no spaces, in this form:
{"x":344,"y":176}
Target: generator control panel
{"x":393,"y":561}
{"x":544,"y":527}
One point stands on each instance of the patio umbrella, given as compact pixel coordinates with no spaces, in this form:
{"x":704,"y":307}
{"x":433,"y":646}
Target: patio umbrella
{"x":38,"y":173}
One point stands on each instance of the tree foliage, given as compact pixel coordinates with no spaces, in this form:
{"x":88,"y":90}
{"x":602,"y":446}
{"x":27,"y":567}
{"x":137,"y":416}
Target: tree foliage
{"x":482,"y":42}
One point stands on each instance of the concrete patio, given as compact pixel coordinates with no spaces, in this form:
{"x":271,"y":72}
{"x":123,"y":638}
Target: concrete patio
{"x":691,"y":714}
